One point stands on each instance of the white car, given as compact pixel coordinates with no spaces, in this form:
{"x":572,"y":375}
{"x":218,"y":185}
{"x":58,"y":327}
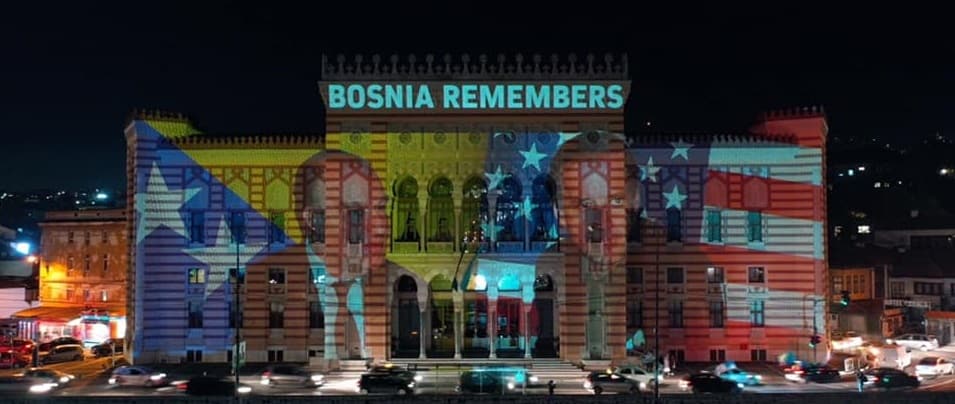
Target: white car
{"x":640,"y":375}
{"x":915,"y":341}
{"x":844,"y":341}
{"x":137,"y":376}
{"x":934,"y":366}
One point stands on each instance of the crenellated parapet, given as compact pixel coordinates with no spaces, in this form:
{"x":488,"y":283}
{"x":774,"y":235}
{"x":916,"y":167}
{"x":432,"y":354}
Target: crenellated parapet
{"x":793,"y":113}
{"x":516,"y":67}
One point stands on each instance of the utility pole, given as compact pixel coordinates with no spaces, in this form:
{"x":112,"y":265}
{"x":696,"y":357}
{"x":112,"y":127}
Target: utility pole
{"x":236,"y":238}
{"x":656,"y":316}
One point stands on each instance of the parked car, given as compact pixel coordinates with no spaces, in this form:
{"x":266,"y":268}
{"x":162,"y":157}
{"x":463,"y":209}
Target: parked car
{"x":290,"y":375}
{"x":643,"y":377}
{"x":741,"y":376}
{"x":63,"y":353}
{"x":514,"y":378}
{"x":915,"y":341}
{"x":600,"y":382}
{"x":213,"y":386}
{"x":387,"y":382}
{"x":13,"y":359}
{"x":24,"y":346}
{"x":814,"y":373}
{"x":47,"y":376}
{"x":395,"y":370}
{"x":47,"y":346}
{"x":934,"y":366}
{"x":709,"y":383}
{"x":845,"y":340}
{"x":889,"y":378}
{"x":137,"y":376}
{"x":478,"y":382}
{"x":109,"y":347}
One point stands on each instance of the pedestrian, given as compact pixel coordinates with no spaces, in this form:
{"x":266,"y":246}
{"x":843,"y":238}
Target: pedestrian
{"x":666,"y":364}
{"x":551,"y":385}
{"x":861,"y":379}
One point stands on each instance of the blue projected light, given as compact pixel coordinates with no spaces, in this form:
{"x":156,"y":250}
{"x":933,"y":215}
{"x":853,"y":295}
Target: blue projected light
{"x":101,"y":196}
{"x":22,"y":247}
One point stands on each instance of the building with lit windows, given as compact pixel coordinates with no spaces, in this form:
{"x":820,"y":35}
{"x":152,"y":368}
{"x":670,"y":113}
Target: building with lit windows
{"x":82,"y":276}
{"x":474,"y":210}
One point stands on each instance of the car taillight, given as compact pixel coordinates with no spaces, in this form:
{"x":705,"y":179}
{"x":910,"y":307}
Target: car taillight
{"x":182,"y":386}
{"x":266,"y":374}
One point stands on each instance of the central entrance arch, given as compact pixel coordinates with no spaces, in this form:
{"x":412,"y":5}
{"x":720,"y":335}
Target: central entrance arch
{"x":407,"y":330}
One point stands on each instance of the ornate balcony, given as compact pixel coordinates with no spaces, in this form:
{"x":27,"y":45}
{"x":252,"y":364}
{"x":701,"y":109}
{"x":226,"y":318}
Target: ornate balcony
{"x":405,"y":247}
{"x":509,"y":246}
{"x":440,"y":247}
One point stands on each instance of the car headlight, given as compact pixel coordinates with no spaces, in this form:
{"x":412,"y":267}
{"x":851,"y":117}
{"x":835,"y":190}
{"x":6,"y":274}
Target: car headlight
{"x":411,"y":385}
{"x":534,"y":379}
{"x":264,"y":381}
{"x":759,"y":377}
{"x":42,"y":388}
{"x":510,"y":385}
{"x":740,"y":385}
{"x":64,"y":379}
{"x":112,"y":380}
{"x":157,"y":377}
{"x":317,"y":378}
{"x":588,"y":385}
{"x":643,"y":385}
{"x":244,"y":390}
{"x":660,"y":378}
{"x":418,"y":378}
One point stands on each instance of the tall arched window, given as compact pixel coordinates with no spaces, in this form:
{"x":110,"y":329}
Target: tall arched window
{"x":440,"y":211}
{"x":509,"y":215}
{"x":474,"y":207}
{"x":543,"y":217}
{"x":406,"y":210}
{"x":634,"y":204}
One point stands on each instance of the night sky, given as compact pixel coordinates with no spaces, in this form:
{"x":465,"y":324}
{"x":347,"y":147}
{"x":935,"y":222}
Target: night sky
{"x":70,"y":75}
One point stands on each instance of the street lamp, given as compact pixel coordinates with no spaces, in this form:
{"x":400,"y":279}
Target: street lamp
{"x":656,"y":314}
{"x":237,"y":236}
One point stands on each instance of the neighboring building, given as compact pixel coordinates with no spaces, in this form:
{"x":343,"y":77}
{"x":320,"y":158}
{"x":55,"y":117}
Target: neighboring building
{"x":82,"y":275}
{"x":360,"y":244}
{"x":15,"y":296}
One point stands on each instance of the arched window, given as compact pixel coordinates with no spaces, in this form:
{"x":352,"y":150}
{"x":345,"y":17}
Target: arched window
{"x":474,"y":207}
{"x":440,"y":210}
{"x":543,"y":216}
{"x":543,"y":283}
{"x":406,"y":225}
{"x":509,"y":218}
{"x":634,"y":210}
{"x":407,"y":284}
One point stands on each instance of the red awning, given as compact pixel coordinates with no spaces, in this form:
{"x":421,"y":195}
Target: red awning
{"x":940,"y":315}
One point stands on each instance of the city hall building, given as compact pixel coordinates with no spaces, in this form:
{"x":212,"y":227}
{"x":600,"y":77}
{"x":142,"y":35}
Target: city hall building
{"x":468,"y":210}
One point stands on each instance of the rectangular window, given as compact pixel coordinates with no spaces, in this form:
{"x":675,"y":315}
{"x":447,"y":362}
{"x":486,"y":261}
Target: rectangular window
{"x":717,"y":355}
{"x":757,"y":355}
{"x":237,"y":227}
{"x":87,"y":239}
{"x":757,"y":275}
{"x":193,"y":356}
{"x":356,"y":226}
{"x":197,"y":227}
{"x":105,"y":263}
{"x":104,"y":296}
{"x":714,"y":226}
{"x":634,"y":276}
{"x":595,"y":232}
{"x":754,"y":227}
{"x":716,"y":314}
{"x":316,"y":317}
{"x":897,"y":289}
{"x":276,"y":355}
{"x":634,"y":225}
{"x":197,"y":276}
{"x":86,"y":265}
{"x":634,"y":311}
{"x":276,"y":315}
{"x":676,"y":314}
{"x":86,"y":295}
{"x":714,"y":275}
{"x":276,"y":276}
{"x":104,"y":238}
{"x":69,"y":237}
{"x":929,"y":288}
{"x":317,"y":230}
{"x":837,"y":285}
{"x":70,"y":294}
{"x":679,"y":354}
{"x":674,"y":225}
{"x":277,"y":227}
{"x":675,"y":275}
{"x":70,"y":266}
{"x":756,"y":313}
{"x":195,"y":314}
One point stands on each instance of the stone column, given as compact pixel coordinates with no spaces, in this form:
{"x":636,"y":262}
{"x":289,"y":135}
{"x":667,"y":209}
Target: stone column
{"x":492,"y":320}
{"x":422,"y":224}
{"x":423,"y":323}
{"x":457,"y":223}
{"x":527,"y":303}
{"x":492,"y":218}
{"x":458,"y":306}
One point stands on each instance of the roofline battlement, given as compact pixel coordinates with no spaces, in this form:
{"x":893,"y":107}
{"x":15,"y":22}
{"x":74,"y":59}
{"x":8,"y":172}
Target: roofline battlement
{"x":516,"y":67}
{"x":814,"y":111}
{"x":157,"y":115}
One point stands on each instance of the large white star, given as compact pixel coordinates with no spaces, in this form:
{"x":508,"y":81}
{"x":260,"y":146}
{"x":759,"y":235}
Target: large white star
{"x":680,"y":149}
{"x":674,"y":198}
{"x":649,"y":171}
{"x":532,"y":157}
{"x":222,"y":256}
{"x":495,"y":178}
{"x":566,"y":137}
{"x":158,"y":206}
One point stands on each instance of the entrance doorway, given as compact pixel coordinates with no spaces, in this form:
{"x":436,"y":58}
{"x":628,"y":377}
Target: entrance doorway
{"x":408,"y":319}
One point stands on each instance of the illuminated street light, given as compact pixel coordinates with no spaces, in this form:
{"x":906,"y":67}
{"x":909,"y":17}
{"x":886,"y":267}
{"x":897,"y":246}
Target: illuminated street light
{"x":22,"y":247}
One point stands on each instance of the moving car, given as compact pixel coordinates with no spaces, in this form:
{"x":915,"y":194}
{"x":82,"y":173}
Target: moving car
{"x":213,"y":386}
{"x":386,"y":382}
{"x":14,"y":385}
{"x":709,"y":383}
{"x":515,"y":378}
{"x":814,"y":373}
{"x":109,"y":347}
{"x":395,"y":370}
{"x":40,"y":376}
{"x":478,"y":382}
{"x":600,"y":382}
{"x":137,"y":376}
{"x":915,"y":341}
{"x":640,"y":375}
{"x":843,"y":341}
{"x":888,"y":378}
{"x":741,"y":376}
{"x":934,"y":366}
{"x":289,"y":375}
{"x":63,"y":353}
{"x":47,"y":346}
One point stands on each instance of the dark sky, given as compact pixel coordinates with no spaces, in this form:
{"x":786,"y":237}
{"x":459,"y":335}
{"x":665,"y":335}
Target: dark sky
{"x":70,"y":75}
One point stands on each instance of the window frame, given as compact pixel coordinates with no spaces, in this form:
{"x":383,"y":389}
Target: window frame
{"x":759,"y":280}
{"x":714,"y":232}
{"x":715,"y":275}
{"x":754,"y":227}
{"x":276,"y":318}
{"x":682,"y":272}
{"x":717,"y":314}
{"x":196,"y":276}
{"x":757,"y":313}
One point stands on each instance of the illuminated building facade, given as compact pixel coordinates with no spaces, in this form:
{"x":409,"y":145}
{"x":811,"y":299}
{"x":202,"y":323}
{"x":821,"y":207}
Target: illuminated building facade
{"x":83,"y":267}
{"x":485,"y":211}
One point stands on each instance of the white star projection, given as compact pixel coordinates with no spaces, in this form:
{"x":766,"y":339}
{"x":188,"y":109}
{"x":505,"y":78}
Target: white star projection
{"x":649,"y":171}
{"x":159,"y":207}
{"x":495,"y":178}
{"x":532,"y":157}
{"x":566,"y":137}
{"x":680,"y":149}
{"x":674,"y":198}
{"x":222,"y":256}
